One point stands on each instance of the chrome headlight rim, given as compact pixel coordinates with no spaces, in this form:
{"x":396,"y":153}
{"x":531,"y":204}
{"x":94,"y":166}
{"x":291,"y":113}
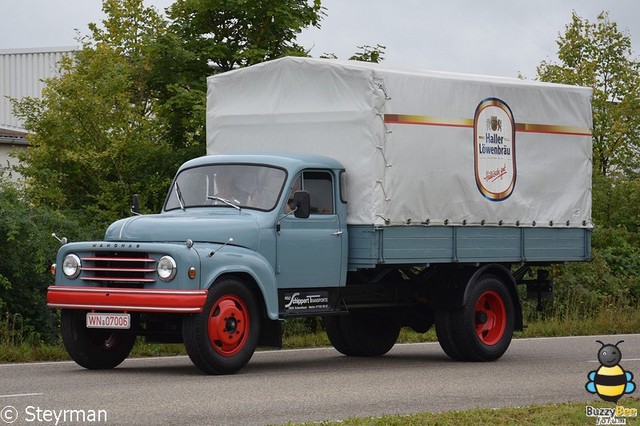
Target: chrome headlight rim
{"x":166,"y":268}
{"x":71,"y":266}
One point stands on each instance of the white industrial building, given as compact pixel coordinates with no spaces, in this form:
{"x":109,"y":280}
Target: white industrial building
{"x":22,"y":73}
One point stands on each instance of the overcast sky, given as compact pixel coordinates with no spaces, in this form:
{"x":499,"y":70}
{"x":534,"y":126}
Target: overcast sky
{"x":495,"y":37}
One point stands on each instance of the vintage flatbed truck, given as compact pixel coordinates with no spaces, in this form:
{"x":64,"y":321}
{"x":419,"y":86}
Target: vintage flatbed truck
{"x":375,"y":198}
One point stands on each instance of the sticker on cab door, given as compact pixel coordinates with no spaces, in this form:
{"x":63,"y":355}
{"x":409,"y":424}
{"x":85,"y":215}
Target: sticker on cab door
{"x":306,"y":301}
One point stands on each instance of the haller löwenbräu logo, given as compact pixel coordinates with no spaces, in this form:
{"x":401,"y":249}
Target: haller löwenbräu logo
{"x":494,"y":142}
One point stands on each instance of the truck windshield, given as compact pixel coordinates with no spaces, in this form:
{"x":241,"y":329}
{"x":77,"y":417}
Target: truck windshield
{"x":228,"y":185}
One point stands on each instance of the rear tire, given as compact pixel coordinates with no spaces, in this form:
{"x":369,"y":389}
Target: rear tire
{"x":483,"y":328}
{"x":446,"y":335}
{"x":222,"y":338}
{"x":94,"y":349}
{"x":333,"y":327}
{"x":363,"y":333}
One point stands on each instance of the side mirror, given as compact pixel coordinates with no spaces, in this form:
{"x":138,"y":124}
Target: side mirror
{"x":135,"y":205}
{"x":301,"y":204}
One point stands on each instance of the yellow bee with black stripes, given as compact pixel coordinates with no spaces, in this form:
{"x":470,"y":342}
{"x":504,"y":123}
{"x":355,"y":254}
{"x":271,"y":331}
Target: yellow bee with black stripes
{"x":610,"y":381}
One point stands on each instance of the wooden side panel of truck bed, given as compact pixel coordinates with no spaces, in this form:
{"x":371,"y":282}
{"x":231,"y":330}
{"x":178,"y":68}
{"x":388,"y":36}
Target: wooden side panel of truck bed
{"x":370,"y":245}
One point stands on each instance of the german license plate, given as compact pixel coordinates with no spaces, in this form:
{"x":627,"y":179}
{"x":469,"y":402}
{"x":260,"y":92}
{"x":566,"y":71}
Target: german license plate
{"x":111,"y":321}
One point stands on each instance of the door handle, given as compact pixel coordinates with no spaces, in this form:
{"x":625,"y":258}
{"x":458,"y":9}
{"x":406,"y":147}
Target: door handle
{"x":337,"y":233}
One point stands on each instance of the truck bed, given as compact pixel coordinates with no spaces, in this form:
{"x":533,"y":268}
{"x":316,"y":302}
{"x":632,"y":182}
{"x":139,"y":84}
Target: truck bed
{"x":370,"y":245}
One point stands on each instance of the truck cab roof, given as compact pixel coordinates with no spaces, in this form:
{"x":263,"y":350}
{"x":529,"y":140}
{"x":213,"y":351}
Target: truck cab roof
{"x":292,"y":162}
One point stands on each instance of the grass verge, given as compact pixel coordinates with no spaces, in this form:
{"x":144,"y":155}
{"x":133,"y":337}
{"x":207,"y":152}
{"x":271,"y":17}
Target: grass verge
{"x":573,"y":413}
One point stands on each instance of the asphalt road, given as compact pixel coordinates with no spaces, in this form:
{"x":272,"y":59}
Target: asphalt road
{"x":306,"y":385}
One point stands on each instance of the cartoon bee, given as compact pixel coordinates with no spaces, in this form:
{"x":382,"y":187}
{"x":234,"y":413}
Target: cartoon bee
{"x":610,"y":381}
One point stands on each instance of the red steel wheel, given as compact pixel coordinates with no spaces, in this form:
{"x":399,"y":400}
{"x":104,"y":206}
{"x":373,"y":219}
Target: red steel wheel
{"x":490,"y":317}
{"x":222,"y":338}
{"x":228,"y":325}
{"x":481,"y":330}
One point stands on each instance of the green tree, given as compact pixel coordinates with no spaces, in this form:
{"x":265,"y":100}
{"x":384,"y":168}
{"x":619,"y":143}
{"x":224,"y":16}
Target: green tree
{"x":598,"y":55}
{"x":96,"y":137}
{"x":365,"y":53}
{"x":211,"y":36}
{"x":368,"y":53}
{"x":127,"y":109}
{"x":227,"y":34}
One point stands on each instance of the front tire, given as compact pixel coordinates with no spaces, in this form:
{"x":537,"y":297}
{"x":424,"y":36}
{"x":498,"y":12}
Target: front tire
{"x":94,"y":349}
{"x":222,"y":338}
{"x":483,"y":328}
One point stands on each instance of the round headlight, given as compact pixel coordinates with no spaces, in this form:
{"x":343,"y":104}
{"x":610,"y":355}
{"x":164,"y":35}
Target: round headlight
{"x":71,"y":266}
{"x":166,"y":268}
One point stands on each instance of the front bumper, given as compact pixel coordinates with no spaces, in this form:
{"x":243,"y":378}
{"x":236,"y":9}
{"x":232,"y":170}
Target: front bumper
{"x":126,"y":299}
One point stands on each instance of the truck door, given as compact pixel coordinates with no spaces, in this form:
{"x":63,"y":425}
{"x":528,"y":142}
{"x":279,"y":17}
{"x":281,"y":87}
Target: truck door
{"x":310,"y":250}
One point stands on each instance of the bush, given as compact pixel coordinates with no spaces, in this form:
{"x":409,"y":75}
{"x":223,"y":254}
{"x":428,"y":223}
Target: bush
{"x":27,"y":249}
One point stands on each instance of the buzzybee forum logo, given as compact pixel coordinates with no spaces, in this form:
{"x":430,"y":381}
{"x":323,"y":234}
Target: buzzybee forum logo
{"x":610,"y":382}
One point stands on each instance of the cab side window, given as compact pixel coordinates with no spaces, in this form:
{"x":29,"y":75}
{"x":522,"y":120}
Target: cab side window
{"x":320,"y":188}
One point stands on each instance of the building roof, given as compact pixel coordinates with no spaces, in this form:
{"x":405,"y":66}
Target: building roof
{"x":23,"y":73}
{"x":13,"y":136}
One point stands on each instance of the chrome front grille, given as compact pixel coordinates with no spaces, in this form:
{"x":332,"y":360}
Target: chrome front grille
{"x":117,"y":269}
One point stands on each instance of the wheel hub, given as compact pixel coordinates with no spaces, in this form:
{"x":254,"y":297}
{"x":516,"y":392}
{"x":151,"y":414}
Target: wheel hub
{"x":231,"y":325}
{"x":481,"y":317}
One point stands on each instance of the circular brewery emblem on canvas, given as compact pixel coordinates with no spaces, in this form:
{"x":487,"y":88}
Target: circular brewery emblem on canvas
{"x":494,"y":143}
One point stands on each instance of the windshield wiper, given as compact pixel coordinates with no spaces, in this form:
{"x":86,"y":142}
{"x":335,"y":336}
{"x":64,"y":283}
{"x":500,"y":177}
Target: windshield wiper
{"x":222,"y":200}
{"x":179,"y":195}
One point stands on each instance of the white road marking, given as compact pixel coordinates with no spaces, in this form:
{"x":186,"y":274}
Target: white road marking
{"x":18,"y":395}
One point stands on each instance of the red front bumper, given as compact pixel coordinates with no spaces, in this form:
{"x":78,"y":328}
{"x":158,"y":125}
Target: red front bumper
{"x":126,"y":299}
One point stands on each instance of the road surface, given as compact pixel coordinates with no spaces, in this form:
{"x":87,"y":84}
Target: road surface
{"x":305,"y":385}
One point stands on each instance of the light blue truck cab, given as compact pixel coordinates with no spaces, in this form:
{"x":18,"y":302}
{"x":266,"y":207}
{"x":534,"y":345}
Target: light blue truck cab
{"x":229,"y":224}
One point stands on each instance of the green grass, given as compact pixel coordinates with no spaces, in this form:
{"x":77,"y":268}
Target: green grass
{"x":609,"y":321}
{"x":37,"y":352}
{"x":573,"y":413}
{"x":30,"y":352}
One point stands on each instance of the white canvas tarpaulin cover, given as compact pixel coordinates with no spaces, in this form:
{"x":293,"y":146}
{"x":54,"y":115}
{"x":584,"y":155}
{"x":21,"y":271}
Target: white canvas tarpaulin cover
{"x":419,"y":147}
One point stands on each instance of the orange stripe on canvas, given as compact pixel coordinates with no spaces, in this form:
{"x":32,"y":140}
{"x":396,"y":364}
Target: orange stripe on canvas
{"x":468,"y":123}
{"x":427,"y":121}
{"x":552,"y":129}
